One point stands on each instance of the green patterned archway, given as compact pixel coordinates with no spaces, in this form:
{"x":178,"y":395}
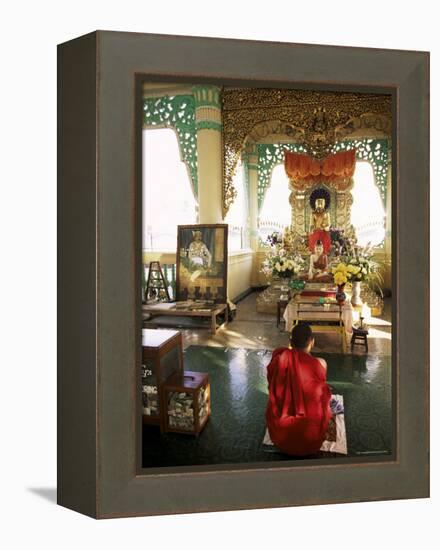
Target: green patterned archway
{"x":177,"y":112}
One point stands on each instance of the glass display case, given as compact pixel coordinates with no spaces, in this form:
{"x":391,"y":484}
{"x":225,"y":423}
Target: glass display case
{"x":187,"y":398}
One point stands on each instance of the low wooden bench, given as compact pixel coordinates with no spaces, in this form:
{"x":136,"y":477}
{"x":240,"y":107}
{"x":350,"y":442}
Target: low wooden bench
{"x":172,"y":310}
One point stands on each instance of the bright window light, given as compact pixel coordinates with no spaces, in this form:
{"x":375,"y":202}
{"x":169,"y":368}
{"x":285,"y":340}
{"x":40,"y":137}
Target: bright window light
{"x":367,"y":212}
{"x":237,"y":217}
{"x":168,"y":199}
{"x":275,"y":212}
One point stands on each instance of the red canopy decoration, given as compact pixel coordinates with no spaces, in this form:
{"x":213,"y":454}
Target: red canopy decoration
{"x":304,"y":170}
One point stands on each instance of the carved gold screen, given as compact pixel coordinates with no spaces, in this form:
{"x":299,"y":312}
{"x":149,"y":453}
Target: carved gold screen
{"x":317,"y":121}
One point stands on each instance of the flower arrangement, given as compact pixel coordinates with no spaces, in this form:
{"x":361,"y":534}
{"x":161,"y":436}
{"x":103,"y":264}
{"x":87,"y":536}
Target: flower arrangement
{"x":342,"y":244}
{"x":336,"y":235}
{"x":345,"y":272}
{"x":275,"y":238}
{"x":359,"y":267}
{"x":280,"y":264}
{"x":341,"y":274}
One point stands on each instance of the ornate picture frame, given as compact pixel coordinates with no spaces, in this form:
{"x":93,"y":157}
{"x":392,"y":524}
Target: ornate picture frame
{"x":99,"y":273}
{"x":205,"y":276}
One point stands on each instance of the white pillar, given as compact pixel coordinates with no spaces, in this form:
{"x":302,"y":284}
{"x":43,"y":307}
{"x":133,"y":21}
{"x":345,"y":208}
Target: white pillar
{"x":209,"y":153}
{"x":252,"y":167}
{"x":388,"y":211}
{"x":388,"y":279}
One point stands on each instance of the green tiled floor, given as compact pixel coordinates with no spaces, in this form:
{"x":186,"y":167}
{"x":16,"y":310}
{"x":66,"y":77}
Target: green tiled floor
{"x":239,"y":396}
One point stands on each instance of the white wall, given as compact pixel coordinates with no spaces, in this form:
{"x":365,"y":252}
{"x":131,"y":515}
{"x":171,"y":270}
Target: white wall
{"x":239,"y":273}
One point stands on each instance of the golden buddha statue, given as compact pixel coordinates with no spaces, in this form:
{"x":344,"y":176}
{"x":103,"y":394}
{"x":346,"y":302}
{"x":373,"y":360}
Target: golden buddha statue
{"x":320,"y":219}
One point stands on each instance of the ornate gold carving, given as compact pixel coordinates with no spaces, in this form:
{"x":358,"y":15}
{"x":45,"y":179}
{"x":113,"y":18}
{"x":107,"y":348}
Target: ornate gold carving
{"x":314,"y":119}
{"x":366,"y":125}
{"x":273,"y":127}
{"x":298,"y":213}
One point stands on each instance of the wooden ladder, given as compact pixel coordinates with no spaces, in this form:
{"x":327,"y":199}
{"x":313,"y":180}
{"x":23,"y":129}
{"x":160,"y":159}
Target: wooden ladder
{"x":156,"y":284}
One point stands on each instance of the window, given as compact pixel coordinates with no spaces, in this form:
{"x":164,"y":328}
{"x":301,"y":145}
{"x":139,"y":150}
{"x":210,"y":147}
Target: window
{"x":275,"y":212}
{"x":167,"y":191}
{"x":367,"y":212}
{"x":237,"y":216}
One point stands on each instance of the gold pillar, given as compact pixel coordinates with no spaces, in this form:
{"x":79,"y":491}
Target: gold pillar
{"x":297,"y":201}
{"x":209,"y":153}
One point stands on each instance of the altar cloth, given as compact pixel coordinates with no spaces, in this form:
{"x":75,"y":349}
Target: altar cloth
{"x":319,"y":293}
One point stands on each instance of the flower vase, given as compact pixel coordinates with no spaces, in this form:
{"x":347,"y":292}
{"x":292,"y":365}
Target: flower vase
{"x":356,"y":294}
{"x":340,"y":294}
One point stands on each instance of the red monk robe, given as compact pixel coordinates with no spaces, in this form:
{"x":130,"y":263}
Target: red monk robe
{"x":298,"y":410}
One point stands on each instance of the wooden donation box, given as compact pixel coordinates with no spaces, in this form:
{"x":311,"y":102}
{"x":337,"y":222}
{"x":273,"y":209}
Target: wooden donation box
{"x":188,"y":402}
{"x":161,"y":357}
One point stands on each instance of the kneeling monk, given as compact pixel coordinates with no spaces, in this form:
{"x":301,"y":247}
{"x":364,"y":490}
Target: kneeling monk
{"x":298,"y":410}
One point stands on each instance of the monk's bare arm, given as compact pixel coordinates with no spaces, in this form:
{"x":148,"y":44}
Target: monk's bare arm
{"x":323,"y":363}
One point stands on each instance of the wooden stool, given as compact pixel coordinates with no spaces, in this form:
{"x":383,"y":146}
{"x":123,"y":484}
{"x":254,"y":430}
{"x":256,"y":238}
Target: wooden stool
{"x":359,"y":338}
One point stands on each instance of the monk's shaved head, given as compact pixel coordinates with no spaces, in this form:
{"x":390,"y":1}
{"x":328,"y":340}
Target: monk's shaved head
{"x":301,"y":336}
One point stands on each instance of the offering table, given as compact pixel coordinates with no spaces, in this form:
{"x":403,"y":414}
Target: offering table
{"x":323,"y":314}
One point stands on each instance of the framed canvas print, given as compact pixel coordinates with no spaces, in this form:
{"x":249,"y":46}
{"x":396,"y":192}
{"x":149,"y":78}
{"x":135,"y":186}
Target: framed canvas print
{"x":243,"y":309}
